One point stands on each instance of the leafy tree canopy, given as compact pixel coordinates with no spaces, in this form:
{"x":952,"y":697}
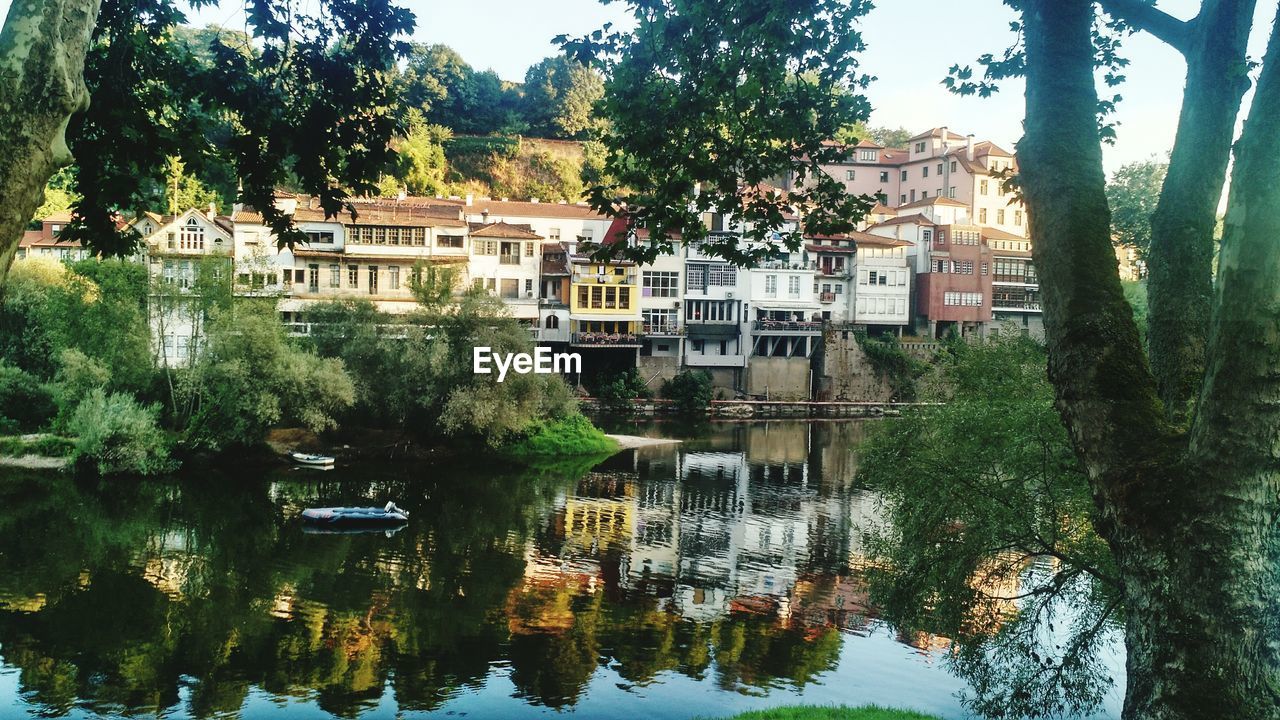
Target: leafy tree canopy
{"x":308,"y":103}
{"x":1133,"y":193}
{"x":704,"y":113}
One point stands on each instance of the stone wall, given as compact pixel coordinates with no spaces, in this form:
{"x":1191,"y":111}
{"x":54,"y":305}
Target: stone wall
{"x":846,"y":374}
{"x":657,"y":369}
{"x":778,"y":378}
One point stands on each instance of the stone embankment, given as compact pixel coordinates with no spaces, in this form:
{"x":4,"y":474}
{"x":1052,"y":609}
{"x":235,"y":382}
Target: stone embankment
{"x":768,"y":409}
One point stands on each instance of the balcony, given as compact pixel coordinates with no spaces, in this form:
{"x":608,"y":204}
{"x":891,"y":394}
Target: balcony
{"x":788,"y":326}
{"x":605,"y":279}
{"x":663,"y":330}
{"x":1022,"y":305}
{"x":701,"y":360}
{"x":782,"y":265}
{"x":603,"y":339}
{"x":834,"y":272}
{"x":827,"y":297}
{"x":508,"y":259}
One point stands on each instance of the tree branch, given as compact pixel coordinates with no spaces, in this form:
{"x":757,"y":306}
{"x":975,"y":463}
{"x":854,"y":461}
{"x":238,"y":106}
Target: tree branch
{"x":1145,"y":16}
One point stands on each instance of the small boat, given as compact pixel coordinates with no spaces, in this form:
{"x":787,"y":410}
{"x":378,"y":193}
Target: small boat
{"x":353,"y":517}
{"x":309,"y":459}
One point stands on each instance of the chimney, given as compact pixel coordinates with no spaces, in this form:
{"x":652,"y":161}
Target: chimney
{"x":484,"y":216}
{"x":969,"y":151}
{"x":946,"y":135}
{"x":213,"y":210}
{"x":470,"y":199}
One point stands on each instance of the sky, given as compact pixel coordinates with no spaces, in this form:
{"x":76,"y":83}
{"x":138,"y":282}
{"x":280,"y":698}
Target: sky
{"x":911,"y":43}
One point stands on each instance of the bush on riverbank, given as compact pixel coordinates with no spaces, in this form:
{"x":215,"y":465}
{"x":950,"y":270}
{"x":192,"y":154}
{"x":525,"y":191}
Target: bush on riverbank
{"x":690,"y":391}
{"x":570,"y":436}
{"x":26,"y":404}
{"x":813,"y":712}
{"x":116,"y":435}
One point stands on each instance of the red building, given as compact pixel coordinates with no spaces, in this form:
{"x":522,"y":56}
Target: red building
{"x":955,"y":291}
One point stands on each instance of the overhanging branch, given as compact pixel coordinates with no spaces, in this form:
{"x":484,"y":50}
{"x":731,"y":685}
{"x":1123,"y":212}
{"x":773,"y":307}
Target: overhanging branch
{"x":1145,"y":16}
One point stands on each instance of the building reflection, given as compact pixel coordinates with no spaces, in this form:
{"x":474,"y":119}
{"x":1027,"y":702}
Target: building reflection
{"x":734,"y":562}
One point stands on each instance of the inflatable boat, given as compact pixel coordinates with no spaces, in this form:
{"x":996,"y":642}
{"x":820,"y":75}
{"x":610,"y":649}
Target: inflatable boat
{"x":355,"y":517}
{"x":311,"y":460}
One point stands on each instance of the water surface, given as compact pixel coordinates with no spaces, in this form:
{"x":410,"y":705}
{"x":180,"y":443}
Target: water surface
{"x":669,"y":582}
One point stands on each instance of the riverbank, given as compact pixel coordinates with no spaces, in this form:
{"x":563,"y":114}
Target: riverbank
{"x":814,"y":712}
{"x":38,"y":451}
{"x":631,"y":442}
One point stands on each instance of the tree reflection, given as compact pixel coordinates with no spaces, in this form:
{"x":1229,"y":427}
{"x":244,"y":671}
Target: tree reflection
{"x":118,"y":598}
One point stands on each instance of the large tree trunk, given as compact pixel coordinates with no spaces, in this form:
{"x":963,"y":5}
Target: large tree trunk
{"x":1180,"y":260}
{"x":1193,"y":533}
{"x":42,"y":51}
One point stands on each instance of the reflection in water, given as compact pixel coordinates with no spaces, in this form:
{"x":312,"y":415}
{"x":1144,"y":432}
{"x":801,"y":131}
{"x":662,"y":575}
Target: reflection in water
{"x":724,"y":569}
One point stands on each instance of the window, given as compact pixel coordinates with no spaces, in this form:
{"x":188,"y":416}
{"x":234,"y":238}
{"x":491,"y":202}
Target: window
{"x":867,"y":156}
{"x":913,"y":196}
{"x":902,"y":199}
{"x":940,"y":266}
{"x":552,"y":322}
{"x":939,"y":168}
{"x":924,"y":171}
{"x":793,"y":286}
{"x":528,"y":287}
{"x":848,"y":174}
{"x":884,"y":177}
{"x":1017,"y":218}
{"x":870,"y":278}
{"x":335,"y":276}
{"x":624,"y":298}
{"x":985,"y":268}
{"x":1000,"y":217}
{"x":982,"y":216}
{"x":393,"y":277}
{"x":904,"y":175}
{"x":313,"y":278}
{"x":373,"y":279}
{"x":924,"y":194}
{"x":951,"y":192}
{"x":353,"y":276}
{"x":984,"y":186}
{"x":839,"y":289}
{"x":697,"y":278}
{"x":927,"y":234}
{"x":770,"y":285}
{"x":721,"y":275}
{"x":660,"y":284}
{"x":953,"y":166}
{"x":660,"y":320}
{"x":449,"y":241}
{"x":553,"y":234}
{"x":962,"y":299}
{"x":528,"y":249}
{"x":485,"y":247}
{"x":920,"y":147}
{"x":509,"y":253}
{"x":319,"y":237}
{"x":192,"y":235}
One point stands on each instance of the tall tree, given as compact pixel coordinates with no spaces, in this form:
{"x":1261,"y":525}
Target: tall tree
{"x":449,"y":92}
{"x":1189,"y":516}
{"x":105,"y":79}
{"x":738,"y":105}
{"x":1133,"y":192}
{"x":560,"y":95}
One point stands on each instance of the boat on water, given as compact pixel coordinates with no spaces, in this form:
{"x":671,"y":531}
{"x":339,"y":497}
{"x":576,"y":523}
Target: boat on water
{"x":355,"y":517}
{"x":310,"y":459}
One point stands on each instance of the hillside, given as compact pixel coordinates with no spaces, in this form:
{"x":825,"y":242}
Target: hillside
{"x":518,"y":167}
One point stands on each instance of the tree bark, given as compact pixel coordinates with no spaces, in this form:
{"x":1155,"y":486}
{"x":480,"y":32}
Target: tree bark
{"x":42,"y":52}
{"x":1180,"y":260}
{"x":1193,"y":530}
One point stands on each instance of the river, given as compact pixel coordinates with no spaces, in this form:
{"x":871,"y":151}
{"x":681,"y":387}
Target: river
{"x":684,"y":581}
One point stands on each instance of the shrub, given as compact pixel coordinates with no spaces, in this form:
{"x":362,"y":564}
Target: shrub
{"x":569,"y":436}
{"x":619,"y":392}
{"x":25,"y":402}
{"x":893,"y":364}
{"x":114,"y":434}
{"x":690,"y":391}
{"x":44,"y":446}
{"x":77,"y":376}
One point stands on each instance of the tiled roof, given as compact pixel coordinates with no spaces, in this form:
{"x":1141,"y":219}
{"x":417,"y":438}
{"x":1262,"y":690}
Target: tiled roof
{"x":912,"y":219}
{"x":528,"y":209}
{"x":859,"y":238}
{"x":932,"y":201}
{"x":998,"y":234}
{"x":937,"y":132}
{"x":503,"y":230}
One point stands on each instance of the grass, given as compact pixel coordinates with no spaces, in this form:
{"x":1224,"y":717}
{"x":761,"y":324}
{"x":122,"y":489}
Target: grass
{"x":830,"y":712}
{"x":41,"y":445}
{"x":567,"y":437}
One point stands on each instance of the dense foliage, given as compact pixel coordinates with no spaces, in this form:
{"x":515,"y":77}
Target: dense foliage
{"x":893,"y":364}
{"x":740,"y":104}
{"x":114,"y":434}
{"x":567,"y":437}
{"x":987,"y":538}
{"x":619,"y":392}
{"x":690,"y":391}
{"x":1132,"y":193}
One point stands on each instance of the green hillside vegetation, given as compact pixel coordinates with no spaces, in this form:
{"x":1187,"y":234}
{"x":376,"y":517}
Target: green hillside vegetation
{"x":515,"y":167}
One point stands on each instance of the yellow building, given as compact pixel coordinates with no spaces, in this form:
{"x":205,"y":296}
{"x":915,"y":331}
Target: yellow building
{"x":604,"y":303}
